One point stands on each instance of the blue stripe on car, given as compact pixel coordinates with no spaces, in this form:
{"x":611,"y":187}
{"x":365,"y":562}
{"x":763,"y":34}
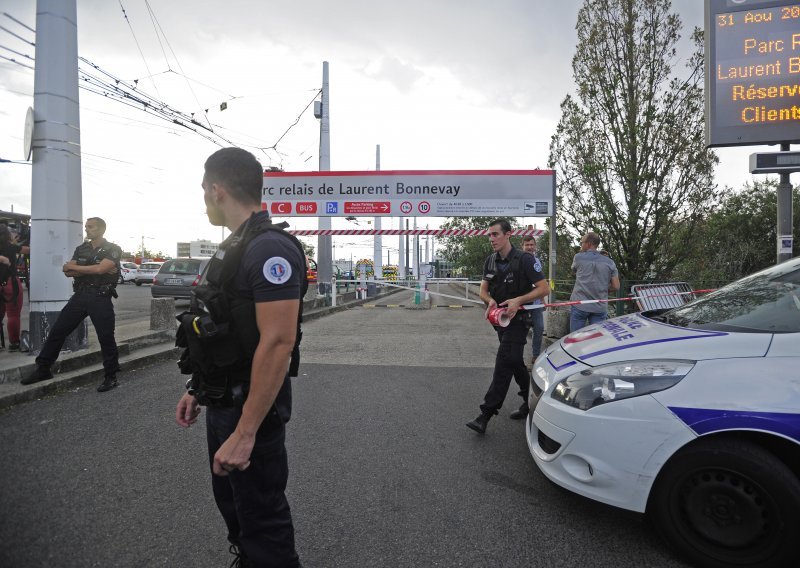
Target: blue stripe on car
{"x":651,"y":342}
{"x":708,"y":420}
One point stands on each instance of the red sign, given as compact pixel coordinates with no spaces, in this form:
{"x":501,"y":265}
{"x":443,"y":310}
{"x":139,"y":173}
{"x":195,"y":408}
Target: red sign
{"x":306,"y":207}
{"x":424,"y":207}
{"x":281,"y":207}
{"x":367,"y":207}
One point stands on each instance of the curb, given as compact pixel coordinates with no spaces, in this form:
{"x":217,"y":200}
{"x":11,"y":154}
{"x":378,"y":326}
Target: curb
{"x":86,"y":375}
{"x":84,"y":368}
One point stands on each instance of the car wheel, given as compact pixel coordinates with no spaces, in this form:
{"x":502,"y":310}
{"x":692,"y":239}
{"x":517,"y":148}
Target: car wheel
{"x":121,"y":279}
{"x":138,"y":283}
{"x":728,"y":503}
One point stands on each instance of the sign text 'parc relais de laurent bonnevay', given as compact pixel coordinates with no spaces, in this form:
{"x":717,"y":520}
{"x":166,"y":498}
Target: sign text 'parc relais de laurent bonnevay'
{"x":442,"y":193}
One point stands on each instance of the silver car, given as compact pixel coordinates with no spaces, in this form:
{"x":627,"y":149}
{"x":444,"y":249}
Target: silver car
{"x":177,"y":277}
{"x":145,"y":273}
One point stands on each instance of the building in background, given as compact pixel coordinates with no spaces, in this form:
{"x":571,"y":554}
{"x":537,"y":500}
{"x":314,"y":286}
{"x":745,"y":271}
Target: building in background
{"x":196,"y":249}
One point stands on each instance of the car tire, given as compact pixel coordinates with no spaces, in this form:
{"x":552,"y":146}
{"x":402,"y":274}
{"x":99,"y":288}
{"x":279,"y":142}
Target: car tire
{"x":728,"y":503}
{"x":121,"y":279}
{"x":138,"y":283}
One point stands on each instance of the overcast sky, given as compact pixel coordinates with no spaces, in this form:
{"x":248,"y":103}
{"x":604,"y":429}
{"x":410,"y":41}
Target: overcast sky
{"x":439,"y":84}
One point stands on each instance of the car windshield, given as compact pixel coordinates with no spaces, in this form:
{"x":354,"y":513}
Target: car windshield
{"x":181,"y":266}
{"x":765,"y":302}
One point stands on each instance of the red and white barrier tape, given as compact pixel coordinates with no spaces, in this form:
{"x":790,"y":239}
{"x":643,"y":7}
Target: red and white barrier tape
{"x":419,"y":232}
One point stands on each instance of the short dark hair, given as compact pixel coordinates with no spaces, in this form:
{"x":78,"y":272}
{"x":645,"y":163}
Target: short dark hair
{"x":99,"y":221}
{"x":528,"y":238}
{"x":592,"y":238}
{"x":505,"y":226}
{"x":239,"y":171}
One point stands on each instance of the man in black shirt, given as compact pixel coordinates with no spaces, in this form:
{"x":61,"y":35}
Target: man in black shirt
{"x":511,"y":279}
{"x":248,"y":399}
{"x":95,"y":268}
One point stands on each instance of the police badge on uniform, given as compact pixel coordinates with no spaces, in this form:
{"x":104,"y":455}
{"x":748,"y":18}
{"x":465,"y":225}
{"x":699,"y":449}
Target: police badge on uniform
{"x":277,"y":270}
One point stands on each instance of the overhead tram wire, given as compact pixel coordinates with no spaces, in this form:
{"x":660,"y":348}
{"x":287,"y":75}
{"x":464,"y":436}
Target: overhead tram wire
{"x":114,"y":88}
{"x":157,"y":26}
{"x":275,"y":145}
{"x":10,"y":17}
{"x":125,"y":15}
{"x":12,"y":60}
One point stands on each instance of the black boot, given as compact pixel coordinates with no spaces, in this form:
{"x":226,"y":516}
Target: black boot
{"x":109,"y":382}
{"x":521,"y":413}
{"x":480,"y":423}
{"x":41,"y":373}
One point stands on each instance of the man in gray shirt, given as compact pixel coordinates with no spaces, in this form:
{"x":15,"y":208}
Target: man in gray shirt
{"x":595,"y":275}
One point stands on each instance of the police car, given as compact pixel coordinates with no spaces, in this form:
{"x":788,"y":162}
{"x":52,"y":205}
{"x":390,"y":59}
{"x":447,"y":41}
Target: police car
{"x":690,"y":415}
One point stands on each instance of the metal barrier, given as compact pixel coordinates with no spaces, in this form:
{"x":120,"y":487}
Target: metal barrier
{"x":661,"y":296}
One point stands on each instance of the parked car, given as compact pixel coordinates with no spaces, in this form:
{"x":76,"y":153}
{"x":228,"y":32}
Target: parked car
{"x":176,"y":277}
{"x":127,"y":271}
{"x":145,"y":273}
{"x":690,"y":415}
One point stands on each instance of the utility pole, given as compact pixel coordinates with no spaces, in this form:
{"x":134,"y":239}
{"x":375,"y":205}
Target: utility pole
{"x":324,"y":242}
{"x":377,"y":242}
{"x":785,"y":224}
{"x":56,"y":197}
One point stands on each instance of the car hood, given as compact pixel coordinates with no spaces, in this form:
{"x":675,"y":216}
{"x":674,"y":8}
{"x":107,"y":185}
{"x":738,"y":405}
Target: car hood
{"x":634,"y":337}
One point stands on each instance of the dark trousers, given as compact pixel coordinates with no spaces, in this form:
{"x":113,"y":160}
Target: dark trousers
{"x":509,"y":362}
{"x":100,"y":310}
{"x":253,"y":502}
{"x":537,"y":319}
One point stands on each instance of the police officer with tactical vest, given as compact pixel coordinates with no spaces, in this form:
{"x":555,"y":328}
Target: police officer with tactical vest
{"x":241,"y":336}
{"x":95,"y":269}
{"x":511,"y":279}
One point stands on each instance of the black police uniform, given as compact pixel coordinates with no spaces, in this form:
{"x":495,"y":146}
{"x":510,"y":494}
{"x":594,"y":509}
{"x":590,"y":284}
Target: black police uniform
{"x":92,"y":297}
{"x":508,"y":278}
{"x":270,"y":266}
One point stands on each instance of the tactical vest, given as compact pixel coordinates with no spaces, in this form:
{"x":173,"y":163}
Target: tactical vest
{"x":86,"y":256}
{"x":508,"y":284}
{"x":220,"y":332}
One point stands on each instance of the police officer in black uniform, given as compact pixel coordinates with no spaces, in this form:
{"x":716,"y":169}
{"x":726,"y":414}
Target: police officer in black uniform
{"x":241,"y":333}
{"x":95,"y":268}
{"x":511,"y":278}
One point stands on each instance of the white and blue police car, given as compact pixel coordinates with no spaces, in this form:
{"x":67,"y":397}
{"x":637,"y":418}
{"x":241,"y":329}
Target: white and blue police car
{"x":691,"y":416}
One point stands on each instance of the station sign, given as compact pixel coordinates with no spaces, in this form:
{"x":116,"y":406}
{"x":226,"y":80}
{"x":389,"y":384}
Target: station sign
{"x":752,"y":72}
{"x":395,"y":193}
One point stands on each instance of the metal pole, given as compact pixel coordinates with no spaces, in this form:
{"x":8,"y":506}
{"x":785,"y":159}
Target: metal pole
{"x":324,"y":255}
{"x":785,"y":226}
{"x":377,"y":242}
{"x":56,"y":206}
{"x":407,"y":249}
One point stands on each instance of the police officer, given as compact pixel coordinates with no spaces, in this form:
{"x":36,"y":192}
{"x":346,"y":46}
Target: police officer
{"x":252,"y":288}
{"x":511,"y":279}
{"x":95,"y":268}
{"x":537,"y":315}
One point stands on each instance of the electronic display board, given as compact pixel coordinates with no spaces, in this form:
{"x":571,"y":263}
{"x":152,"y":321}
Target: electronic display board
{"x":752,"y":61}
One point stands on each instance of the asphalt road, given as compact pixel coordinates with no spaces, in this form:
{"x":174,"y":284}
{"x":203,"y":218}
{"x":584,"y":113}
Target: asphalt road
{"x":383,"y":471}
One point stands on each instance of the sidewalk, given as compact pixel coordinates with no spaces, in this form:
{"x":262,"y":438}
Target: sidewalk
{"x":138,"y":346}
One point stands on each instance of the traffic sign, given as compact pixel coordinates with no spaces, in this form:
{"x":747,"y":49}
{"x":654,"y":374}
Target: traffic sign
{"x":406,"y":207}
{"x":424,"y":207}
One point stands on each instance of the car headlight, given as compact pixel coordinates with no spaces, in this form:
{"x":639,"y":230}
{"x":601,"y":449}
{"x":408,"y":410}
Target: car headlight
{"x":592,"y":387}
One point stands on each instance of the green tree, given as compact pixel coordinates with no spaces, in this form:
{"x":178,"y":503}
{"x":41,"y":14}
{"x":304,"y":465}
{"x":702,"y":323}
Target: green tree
{"x":468,"y":253}
{"x":308,"y":249}
{"x":629,"y":149}
{"x":739,"y":236}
